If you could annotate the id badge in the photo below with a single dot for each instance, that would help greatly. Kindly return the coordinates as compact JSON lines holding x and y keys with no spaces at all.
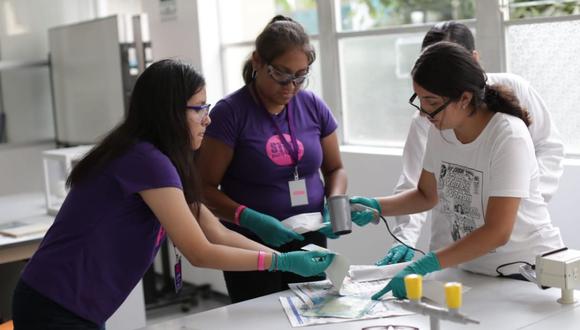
{"x":298,"y":192}
{"x":178,"y":281}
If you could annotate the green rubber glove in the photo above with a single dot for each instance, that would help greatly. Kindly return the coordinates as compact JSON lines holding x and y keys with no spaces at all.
{"x":268,"y":228}
{"x":425,"y":265}
{"x":327,"y":229}
{"x":303,"y":263}
{"x":398,"y":253}
{"x":362,"y":218}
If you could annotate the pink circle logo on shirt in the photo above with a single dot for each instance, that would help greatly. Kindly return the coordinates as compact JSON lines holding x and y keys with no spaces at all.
{"x":278,"y":153}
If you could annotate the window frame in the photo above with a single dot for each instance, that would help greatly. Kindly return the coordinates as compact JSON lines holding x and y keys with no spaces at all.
{"x":490,"y":16}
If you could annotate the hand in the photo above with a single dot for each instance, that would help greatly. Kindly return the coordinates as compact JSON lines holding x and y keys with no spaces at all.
{"x":397,"y":253}
{"x":268,"y":228}
{"x":303,"y":263}
{"x":363,"y":217}
{"x":327,"y":229}
{"x":425,"y":265}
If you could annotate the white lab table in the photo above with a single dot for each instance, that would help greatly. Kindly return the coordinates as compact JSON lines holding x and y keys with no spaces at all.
{"x":496,"y":303}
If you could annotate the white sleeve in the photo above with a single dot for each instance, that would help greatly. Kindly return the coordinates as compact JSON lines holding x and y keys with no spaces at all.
{"x":547,"y":143}
{"x":511,"y":167}
{"x":408,"y":227}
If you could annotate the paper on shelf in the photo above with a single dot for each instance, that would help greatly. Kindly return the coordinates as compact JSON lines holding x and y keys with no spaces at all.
{"x":337,"y":270}
{"x":25,"y":229}
{"x":304,"y":222}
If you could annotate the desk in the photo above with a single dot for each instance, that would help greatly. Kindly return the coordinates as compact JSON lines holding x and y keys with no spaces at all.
{"x":496,"y":303}
{"x":31,"y":208}
{"x":25,"y":208}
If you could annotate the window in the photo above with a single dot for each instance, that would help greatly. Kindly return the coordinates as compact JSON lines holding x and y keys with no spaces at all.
{"x":240,"y":31}
{"x":542,"y":8}
{"x":356,"y":15}
{"x":367,"y":48}
{"x":544,"y":50}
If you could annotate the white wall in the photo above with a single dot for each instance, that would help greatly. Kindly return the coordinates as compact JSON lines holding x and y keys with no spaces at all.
{"x":21,"y":168}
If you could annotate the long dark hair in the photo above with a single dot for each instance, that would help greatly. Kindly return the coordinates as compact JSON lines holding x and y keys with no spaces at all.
{"x":448,"y":69}
{"x":449,"y":31}
{"x":157,"y":114}
{"x":280,"y":35}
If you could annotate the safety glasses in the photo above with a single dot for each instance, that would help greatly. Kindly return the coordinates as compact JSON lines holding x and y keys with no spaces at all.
{"x":201,"y":111}
{"x":417,"y":105}
{"x":284,"y":78}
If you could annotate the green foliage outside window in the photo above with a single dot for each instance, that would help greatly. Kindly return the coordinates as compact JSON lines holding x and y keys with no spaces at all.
{"x":542,"y":8}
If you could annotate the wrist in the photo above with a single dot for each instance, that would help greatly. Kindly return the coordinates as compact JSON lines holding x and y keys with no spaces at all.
{"x":261,"y":260}
{"x":377,"y":205}
{"x":238,"y":214}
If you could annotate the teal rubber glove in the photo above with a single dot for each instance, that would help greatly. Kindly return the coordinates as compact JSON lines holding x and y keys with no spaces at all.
{"x":397,"y":253}
{"x":428,"y":264}
{"x":268,"y":228}
{"x":327,"y":229}
{"x":303,"y":263}
{"x":362,"y":218}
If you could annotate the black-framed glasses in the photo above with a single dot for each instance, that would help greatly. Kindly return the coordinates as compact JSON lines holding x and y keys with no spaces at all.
{"x":431,"y":114}
{"x":202,"y":111}
{"x":390,"y":327}
{"x":284,"y":78}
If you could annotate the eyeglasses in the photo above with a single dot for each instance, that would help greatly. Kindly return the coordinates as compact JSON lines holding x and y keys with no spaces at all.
{"x":202,"y":111}
{"x":390,"y":327}
{"x":284,"y":78}
{"x":431,"y":114}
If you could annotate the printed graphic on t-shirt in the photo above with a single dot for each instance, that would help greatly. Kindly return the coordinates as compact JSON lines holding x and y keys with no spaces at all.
{"x":460,"y":201}
{"x":277,"y":152}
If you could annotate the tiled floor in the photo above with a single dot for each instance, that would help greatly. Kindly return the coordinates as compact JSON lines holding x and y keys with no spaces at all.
{"x":162,"y":314}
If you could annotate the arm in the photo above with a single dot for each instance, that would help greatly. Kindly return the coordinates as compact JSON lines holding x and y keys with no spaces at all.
{"x":213,"y":160}
{"x":547,"y":144}
{"x":408,"y":227}
{"x":499,"y":222}
{"x":170,"y":207}
{"x":219,"y":234}
{"x":419,"y":199}
{"x":334,"y":174}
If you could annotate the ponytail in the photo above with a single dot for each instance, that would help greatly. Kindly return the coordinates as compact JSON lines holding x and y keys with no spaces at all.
{"x":499,"y":98}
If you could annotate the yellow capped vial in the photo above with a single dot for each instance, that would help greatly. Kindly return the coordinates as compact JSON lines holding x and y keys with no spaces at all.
{"x":414,"y":286}
{"x":453,"y":295}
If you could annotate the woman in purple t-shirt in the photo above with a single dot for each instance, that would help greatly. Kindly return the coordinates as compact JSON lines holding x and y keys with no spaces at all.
{"x":133,"y":188}
{"x":268,"y":143}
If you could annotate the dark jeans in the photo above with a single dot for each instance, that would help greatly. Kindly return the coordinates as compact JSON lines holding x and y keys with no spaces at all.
{"x":248,"y":285}
{"x":33,"y":311}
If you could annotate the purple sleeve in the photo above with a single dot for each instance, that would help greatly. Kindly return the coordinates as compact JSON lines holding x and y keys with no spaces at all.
{"x":223,"y":124}
{"x":327,"y":122}
{"x":145,"y":167}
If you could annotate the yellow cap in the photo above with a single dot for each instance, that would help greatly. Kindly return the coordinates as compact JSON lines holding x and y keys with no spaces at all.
{"x":414,"y":286}
{"x":453,"y":295}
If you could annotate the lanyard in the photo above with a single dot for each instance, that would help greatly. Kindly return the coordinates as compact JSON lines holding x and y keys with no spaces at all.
{"x":292,"y":150}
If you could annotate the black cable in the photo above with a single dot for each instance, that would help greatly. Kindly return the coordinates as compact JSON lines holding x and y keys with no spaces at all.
{"x":512,"y":263}
{"x":397,"y":239}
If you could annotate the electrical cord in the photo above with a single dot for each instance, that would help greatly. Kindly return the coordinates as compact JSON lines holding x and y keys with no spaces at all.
{"x":397,"y":239}
{"x":512,"y":263}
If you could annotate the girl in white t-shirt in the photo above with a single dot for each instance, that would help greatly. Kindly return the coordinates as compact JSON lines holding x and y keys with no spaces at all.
{"x":480,"y":173}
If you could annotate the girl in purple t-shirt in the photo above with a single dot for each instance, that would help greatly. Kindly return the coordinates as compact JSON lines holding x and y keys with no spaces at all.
{"x":268,"y":143}
{"x":134,"y":188}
